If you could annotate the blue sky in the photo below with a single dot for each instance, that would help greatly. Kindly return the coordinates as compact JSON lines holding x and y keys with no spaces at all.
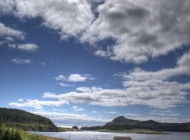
{"x":83,"y":63}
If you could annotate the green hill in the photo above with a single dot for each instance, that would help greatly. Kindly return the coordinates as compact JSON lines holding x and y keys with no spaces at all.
{"x":15,"y":118}
{"x":121,"y":120}
{"x":122,"y":123}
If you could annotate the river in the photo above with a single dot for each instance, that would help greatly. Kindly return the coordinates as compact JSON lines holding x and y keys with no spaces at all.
{"x":91,"y":135}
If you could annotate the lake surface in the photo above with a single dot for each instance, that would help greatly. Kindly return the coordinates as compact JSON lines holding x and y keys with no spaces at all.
{"x":91,"y":135}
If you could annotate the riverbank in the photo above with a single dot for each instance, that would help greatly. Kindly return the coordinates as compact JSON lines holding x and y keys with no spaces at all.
{"x":30,"y":136}
{"x":140,"y":131}
{"x":95,"y":135}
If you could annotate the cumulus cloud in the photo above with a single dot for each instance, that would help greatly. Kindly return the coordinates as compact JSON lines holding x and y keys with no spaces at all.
{"x":139,"y":59}
{"x":73,"y":78}
{"x":20,"y":100}
{"x":141,"y":29}
{"x":76,"y":108}
{"x":64,"y":85}
{"x":12,"y":46}
{"x":21,"y":61}
{"x":58,"y":15}
{"x":165,"y":96}
{"x":28,"y":47}
{"x":140,"y":87}
{"x":60,"y":77}
{"x":94,"y":111}
{"x":182,"y":67}
{"x":66,"y":119}
{"x":8,"y":34}
{"x":111,"y":112}
{"x":79,"y":78}
{"x":43,"y":63}
{"x":37,"y":104}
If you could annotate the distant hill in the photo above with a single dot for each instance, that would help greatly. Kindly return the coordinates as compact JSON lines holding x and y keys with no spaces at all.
{"x":121,"y":120}
{"x":25,"y":120}
{"x":122,"y":123}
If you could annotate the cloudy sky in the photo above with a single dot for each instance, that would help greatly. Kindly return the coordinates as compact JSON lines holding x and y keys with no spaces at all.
{"x":82,"y":62}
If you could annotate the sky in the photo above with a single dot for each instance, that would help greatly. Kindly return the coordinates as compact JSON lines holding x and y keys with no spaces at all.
{"x":84,"y":63}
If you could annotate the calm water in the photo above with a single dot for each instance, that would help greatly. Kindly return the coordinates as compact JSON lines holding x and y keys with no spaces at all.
{"x":90,"y":135}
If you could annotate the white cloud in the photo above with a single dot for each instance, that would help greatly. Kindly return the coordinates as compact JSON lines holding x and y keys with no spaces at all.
{"x":20,"y":100}
{"x":137,"y":95}
{"x":28,"y":47}
{"x":6,"y":6}
{"x":74,"y":78}
{"x":79,"y":78}
{"x":111,"y":112}
{"x":37,"y":104}
{"x":10,"y":33}
{"x":65,"y":85}
{"x":140,"y":59}
{"x":21,"y":61}
{"x":58,"y":15}
{"x":154,"y":89}
{"x":140,"y":95}
{"x":43,"y":63}
{"x":49,"y":95}
{"x":60,"y":78}
{"x":66,"y":119}
{"x":163,"y":114}
{"x":12,"y":46}
{"x":132,"y":115}
{"x":139,"y":75}
{"x":76,"y":108}
{"x":141,"y":29}
{"x":9,"y":39}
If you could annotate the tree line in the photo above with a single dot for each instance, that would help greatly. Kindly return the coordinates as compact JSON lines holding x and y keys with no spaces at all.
{"x":27,"y":121}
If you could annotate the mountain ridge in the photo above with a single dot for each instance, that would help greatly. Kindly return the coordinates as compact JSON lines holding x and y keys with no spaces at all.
{"x":122,"y":123}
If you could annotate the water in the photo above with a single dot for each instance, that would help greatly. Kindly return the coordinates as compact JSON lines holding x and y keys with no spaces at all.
{"x":91,"y":135}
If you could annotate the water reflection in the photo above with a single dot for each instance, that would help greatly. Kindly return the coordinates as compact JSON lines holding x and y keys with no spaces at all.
{"x":91,"y":135}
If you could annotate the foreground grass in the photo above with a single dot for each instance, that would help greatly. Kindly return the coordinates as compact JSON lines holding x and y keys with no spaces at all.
{"x":141,"y":131}
{"x":15,"y":134}
{"x":30,"y":136}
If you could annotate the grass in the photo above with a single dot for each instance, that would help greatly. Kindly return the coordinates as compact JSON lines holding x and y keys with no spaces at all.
{"x":30,"y":136}
{"x":26,"y":135}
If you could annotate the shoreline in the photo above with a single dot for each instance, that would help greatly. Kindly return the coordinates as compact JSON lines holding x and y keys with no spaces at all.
{"x":33,"y":136}
{"x":139,"y":131}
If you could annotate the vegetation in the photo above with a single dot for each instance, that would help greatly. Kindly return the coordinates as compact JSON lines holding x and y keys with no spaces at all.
{"x":123,"y":124}
{"x":29,"y":136}
{"x":7,"y":133}
{"x":141,"y":131}
{"x":15,"y":118}
{"x":64,"y":129}
{"x":13,"y":134}
{"x":75,"y":127}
